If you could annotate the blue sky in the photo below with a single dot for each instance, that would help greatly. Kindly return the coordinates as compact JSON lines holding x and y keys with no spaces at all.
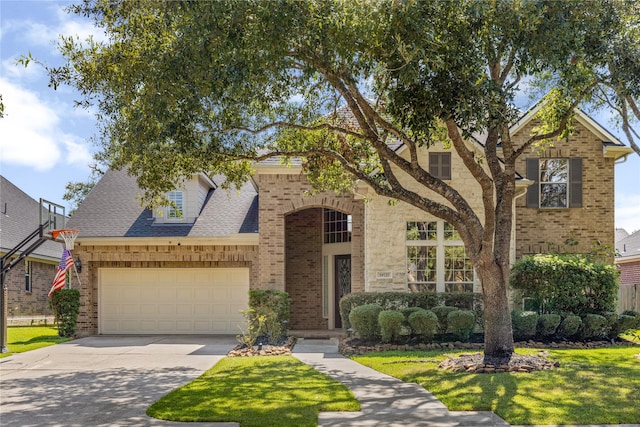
{"x":45,"y":142}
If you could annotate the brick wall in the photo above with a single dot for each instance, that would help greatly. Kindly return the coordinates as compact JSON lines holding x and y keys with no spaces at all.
{"x":150,"y":256}
{"x":304,"y":268}
{"x":546,"y":230}
{"x":36,"y":302}
{"x":629,"y":273}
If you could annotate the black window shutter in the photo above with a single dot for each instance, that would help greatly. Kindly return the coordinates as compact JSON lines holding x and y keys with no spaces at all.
{"x":434,"y":164}
{"x":575,"y":182}
{"x":440,"y":165}
{"x":533,"y":191}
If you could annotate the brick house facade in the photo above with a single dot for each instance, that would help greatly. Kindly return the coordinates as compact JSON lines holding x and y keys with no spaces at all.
{"x":318,"y":245}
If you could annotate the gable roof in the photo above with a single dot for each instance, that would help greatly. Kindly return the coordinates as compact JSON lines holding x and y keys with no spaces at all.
{"x":112,"y":209}
{"x":628,"y":248}
{"x":19,"y":217}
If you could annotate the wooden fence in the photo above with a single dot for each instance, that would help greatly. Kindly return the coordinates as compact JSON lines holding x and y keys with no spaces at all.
{"x":629,"y":298}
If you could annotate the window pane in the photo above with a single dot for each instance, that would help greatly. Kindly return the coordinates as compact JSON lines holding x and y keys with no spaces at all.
{"x":421,"y":264}
{"x":336,"y":227}
{"x":450,"y":232}
{"x":176,"y":198}
{"x":457,"y":266}
{"x":553,"y":195}
{"x":554,"y":170}
{"x":420,"y":230}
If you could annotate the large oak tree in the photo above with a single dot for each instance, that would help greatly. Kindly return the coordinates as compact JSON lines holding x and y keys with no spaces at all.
{"x":189,"y":86}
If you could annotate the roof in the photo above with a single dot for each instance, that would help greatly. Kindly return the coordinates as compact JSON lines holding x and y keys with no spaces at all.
{"x":628,"y":248}
{"x":19,"y":217}
{"x":112,"y":209}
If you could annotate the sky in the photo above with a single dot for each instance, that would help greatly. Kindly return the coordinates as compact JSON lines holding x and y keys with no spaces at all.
{"x":46,"y":142}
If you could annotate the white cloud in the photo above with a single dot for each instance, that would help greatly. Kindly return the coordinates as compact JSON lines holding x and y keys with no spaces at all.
{"x":628,"y":212}
{"x":31,"y":133}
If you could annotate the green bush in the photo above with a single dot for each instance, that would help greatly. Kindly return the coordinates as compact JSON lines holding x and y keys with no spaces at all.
{"x":566,"y":283}
{"x":461,"y":324}
{"x":268,"y":316}
{"x":569,"y":326}
{"x":612,"y":319}
{"x":65,"y":305}
{"x":364,"y":319}
{"x":442,"y":312}
{"x":594,"y":326}
{"x":548,"y":324}
{"x":390,"y":322}
{"x":423,"y":323}
{"x":625,"y":323}
{"x":401,"y":300}
{"x":409,"y":311}
{"x":524,"y":324}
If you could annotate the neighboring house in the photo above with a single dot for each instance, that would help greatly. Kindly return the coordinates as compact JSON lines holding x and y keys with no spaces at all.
{"x":189,"y":272}
{"x":628,"y":258}
{"x":28,"y":283}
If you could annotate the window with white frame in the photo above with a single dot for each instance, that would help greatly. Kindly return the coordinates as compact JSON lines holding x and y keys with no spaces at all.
{"x":177,"y":211}
{"x":28,"y":270}
{"x":337,"y":226}
{"x":554,"y":183}
{"x":436,"y":258}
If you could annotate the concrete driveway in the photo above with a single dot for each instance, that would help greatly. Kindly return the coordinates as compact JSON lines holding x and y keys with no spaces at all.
{"x":100,"y":381}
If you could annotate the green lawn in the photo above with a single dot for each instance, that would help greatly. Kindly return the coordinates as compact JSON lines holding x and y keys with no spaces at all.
{"x":595,"y":386}
{"x":26,"y":338}
{"x":256,"y":391}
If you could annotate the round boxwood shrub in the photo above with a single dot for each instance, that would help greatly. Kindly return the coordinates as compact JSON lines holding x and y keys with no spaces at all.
{"x":390,"y":322}
{"x":423,"y":323}
{"x":364,"y":319}
{"x":625,"y":323}
{"x":548,"y":324}
{"x":524,"y":324}
{"x":461,"y":323}
{"x":569,"y":326}
{"x":442,"y":311}
{"x":594,"y":326}
{"x":408,"y":311}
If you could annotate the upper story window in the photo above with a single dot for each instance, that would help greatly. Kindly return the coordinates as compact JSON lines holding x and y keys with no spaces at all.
{"x":436,"y":258}
{"x":440,"y":165}
{"x":337,"y":227}
{"x":177,"y":212}
{"x":557,"y":183}
{"x":28,"y":270}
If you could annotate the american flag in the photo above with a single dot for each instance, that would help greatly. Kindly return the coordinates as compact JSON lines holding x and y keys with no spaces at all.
{"x":65,"y":264}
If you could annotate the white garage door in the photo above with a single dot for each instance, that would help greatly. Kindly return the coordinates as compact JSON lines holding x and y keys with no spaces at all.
{"x":172,"y":300}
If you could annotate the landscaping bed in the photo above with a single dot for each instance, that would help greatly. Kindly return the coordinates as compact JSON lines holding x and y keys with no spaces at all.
{"x":283,"y":347}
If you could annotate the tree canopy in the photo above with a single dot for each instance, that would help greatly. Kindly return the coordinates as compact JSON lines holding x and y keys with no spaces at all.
{"x":190,"y":86}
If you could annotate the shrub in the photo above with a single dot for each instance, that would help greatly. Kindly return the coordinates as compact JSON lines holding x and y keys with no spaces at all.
{"x":611,"y":318}
{"x":390,"y":322}
{"x":267,"y":316}
{"x":461,"y":323}
{"x":65,"y":304}
{"x":524,"y":324}
{"x":625,"y":323}
{"x":442,"y":312}
{"x":566,"y":283}
{"x":593,"y":326}
{"x":409,"y":311}
{"x":569,"y":326}
{"x":423,"y":323}
{"x":364,"y":319}
{"x":548,"y":324}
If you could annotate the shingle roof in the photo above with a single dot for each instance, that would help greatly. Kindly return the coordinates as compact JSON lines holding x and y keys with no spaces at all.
{"x":19,"y":217}
{"x":112,"y":209}
{"x":629,"y":247}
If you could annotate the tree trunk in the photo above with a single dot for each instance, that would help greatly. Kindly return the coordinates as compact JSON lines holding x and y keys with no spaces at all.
{"x":498,"y":333}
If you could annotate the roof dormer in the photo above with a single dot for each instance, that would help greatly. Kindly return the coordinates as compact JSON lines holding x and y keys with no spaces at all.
{"x":187,"y":201}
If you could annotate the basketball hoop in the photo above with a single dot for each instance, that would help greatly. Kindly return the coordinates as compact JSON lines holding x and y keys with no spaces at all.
{"x":69,"y":237}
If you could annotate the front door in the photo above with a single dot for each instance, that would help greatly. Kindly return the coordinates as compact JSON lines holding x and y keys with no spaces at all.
{"x":342,"y":269}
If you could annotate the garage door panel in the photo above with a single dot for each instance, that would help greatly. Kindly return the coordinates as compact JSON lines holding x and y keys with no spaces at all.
{"x":178,"y":301}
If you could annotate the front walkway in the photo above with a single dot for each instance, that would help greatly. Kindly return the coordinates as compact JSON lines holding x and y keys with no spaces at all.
{"x":385,"y":401}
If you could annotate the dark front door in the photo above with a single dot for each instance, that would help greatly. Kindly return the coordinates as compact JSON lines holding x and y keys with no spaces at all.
{"x":342,"y":269}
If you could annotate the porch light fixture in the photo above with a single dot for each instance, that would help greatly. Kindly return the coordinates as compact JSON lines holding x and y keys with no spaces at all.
{"x":78,"y":264}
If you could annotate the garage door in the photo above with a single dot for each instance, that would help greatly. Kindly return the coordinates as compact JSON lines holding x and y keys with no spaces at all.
{"x":172,"y":300}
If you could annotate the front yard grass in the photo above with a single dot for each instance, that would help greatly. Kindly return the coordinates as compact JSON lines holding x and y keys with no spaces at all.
{"x":26,"y":338}
{"x":593,"y":386}
{"x":256,"y":391}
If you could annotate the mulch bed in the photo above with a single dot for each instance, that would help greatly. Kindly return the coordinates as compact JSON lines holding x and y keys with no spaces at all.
{"x":474,"y":363}
{"x":282,"y":348}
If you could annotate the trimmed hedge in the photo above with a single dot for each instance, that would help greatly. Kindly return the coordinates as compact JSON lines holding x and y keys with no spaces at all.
{"x":390,"y":322}
{"x":400,"y":300}
{"x":569,"y":326}
{"x":364,"y":319}
{"x":65,"y":304}
{"x":423,"y":323}
{"x":548,"y":324}
{"x":524,"y":324}
{"x":461,"y":324}
{"x":442,"y":312}
{"x":594,"y":326}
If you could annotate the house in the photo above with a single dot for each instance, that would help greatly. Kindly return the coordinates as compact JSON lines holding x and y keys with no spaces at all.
{"x":28,"y":282}
{"x":187,"y":268}
{"x":628,"y":257}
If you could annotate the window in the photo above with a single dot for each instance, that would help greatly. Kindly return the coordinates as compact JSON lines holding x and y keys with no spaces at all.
{"x":440,"y":165}
{"x":27,"y":275}
{"x":557,"y":183}
{"x":436,"y":258}
{"x":175,"y":212}
{"x":337,"y":227}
